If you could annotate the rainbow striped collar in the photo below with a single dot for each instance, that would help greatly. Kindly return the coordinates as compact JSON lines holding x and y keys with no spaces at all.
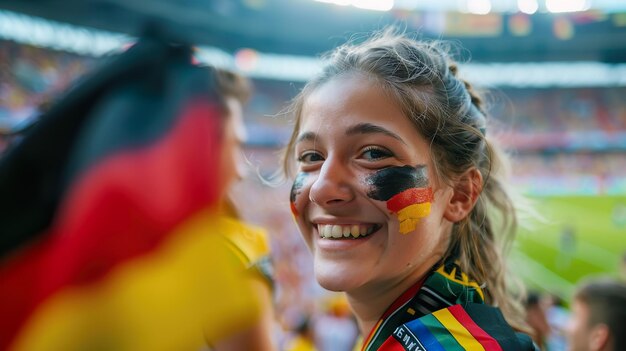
{"x":445,"y":311}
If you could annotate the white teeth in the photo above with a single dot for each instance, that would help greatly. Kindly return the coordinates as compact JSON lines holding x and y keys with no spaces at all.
{"x":354,"y":230}
{"x":344,"y":231}
{"x":325,"y":231}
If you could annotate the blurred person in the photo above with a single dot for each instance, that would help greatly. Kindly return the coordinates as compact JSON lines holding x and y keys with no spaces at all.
{"x":567,"y":247}
{"x":335,"y":327}
{"x":399,"y":195}
{"x":116,"y":228}
{"x":250,"y":243}
{"x":618,"y":215}
{"x":303,"y":338}
{"x":557,"y":315}
{"x":598,"y":320}
{"x":537,"y":320}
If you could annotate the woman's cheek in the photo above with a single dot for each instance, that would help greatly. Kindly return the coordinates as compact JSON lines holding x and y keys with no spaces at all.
{"x":296,"y":198}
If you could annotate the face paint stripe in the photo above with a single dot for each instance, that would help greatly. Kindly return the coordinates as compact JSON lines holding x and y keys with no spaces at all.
{"x":297,"y":185}
{"x":415,"y":211}
{"x":410,"y":197}
{"x":393,"y":180}
{"x":295,"y":191}
{"x":294,"y":211}
{"x":410,"y":216}
{"x":408,"y":226}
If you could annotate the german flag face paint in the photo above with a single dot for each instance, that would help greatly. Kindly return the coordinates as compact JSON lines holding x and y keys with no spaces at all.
{"x":295,"y":191}
{"x":407,"y":192}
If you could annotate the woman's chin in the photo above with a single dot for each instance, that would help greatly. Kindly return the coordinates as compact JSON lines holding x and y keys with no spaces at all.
{"x":331,"y":284}
{"x":335,"y":278}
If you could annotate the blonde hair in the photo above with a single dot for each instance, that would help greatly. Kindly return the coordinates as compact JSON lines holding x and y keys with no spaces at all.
{"x":422,"y":77}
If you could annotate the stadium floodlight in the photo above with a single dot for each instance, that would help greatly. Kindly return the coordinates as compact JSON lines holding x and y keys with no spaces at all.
{"x":336,"y":2}
{"x":377,"y":5}
{"x":557,"y":6}
{"x":486,"y":6}
{"x":479,"y":7}
{"x":528,"y":6}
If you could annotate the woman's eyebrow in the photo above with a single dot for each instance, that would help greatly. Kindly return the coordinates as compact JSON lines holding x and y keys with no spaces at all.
{"x":308,"y":136}
{"x":368,"y":128}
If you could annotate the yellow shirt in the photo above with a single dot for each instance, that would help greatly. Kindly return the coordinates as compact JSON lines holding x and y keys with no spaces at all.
{"x":300,"y":343}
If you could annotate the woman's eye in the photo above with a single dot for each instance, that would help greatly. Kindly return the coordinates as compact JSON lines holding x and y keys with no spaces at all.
{"x":374,"y":153}
{"x":310,"y":157}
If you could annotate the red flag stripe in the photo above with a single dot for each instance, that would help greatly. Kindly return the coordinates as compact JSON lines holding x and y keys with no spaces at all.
{"x":410,"y":197}
{"x":391,"y":344}
{"x":489,"y":343}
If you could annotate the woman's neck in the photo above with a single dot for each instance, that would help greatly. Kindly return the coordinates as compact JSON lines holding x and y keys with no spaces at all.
{"x":369,"y":303}
{"x":368,"y":310}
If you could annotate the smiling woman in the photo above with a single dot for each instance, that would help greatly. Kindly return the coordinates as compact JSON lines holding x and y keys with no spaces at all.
{"x":394,"y":178}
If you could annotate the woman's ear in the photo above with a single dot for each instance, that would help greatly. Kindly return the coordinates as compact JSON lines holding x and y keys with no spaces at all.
{"x":466,"y":190}
{"x":598,"y":337}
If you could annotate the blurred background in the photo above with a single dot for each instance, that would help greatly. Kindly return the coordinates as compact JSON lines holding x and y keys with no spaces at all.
{"x":554,"y":73}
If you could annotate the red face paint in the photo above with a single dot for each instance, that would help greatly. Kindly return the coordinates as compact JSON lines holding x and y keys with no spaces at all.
{"x":409,"y":197}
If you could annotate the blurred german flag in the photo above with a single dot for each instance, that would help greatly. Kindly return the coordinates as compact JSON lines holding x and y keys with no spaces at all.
{"x":110,"y":237}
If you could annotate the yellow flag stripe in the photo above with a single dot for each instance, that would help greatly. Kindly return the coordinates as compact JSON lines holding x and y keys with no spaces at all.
{"x":409,"y":216}
{"x":189,"y":291}
{"x":458,"y":331}
{"x":414,"y":211}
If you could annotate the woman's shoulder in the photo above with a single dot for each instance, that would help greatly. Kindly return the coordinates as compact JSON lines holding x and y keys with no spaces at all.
{"x":462,"y":327}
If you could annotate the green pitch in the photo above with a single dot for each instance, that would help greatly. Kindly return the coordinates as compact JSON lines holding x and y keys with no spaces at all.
{"x":582,"y":235}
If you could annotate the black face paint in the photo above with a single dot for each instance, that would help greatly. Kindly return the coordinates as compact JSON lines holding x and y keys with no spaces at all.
{"x":297,"y":185}
{"x":295,"y":190}
{"x":390,"y":181}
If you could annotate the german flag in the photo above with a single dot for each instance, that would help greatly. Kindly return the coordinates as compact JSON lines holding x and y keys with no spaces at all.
{"x":110,"y":235}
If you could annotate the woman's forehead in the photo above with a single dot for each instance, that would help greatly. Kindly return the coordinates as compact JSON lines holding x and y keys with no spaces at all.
{"x":345,"y":100}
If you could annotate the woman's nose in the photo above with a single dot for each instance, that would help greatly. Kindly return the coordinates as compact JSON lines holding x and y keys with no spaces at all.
{"x":333,"y":184}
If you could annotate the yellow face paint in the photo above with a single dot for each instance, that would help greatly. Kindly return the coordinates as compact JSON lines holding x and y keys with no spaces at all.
{"x":410,"y":216}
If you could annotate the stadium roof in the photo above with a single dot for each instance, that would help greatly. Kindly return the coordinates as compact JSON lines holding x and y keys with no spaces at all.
{"x":308,"y":28}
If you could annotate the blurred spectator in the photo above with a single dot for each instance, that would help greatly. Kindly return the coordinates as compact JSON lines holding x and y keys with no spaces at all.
{"x":557,"y":316}
{"x":567,"y":245}
{"x":303,"y":338}
{"x":598,"y":320}
{"x":336,"y":328}
{"x":31,"y":76}
{"x":619,"y":215}
{"x":536,"y":319}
